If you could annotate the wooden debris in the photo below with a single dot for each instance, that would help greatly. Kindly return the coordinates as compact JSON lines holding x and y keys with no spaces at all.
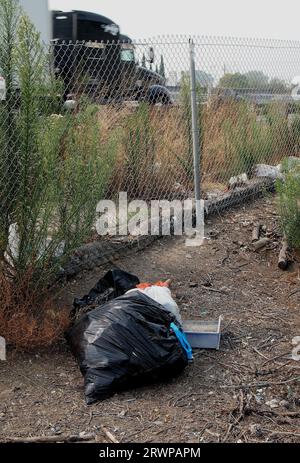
{"x":51,"y":439}
{"x":256,"y":233}
{"x":214,"y":290}
{"x":109,"y":435}
{"x":283,"y":259}
{"x":260,"y":243}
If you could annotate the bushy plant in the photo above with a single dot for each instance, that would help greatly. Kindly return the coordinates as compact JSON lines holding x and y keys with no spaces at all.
{"x":289,"y":203}
{"x":63,"y":167}
{"x":9,"y":18}
{"x":58,"y":170}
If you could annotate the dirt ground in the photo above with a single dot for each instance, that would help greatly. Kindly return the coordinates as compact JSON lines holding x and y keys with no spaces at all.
{"x":248,"y":391}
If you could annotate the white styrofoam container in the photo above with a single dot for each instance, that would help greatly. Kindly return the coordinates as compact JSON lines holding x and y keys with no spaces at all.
{"x":203,"y":334}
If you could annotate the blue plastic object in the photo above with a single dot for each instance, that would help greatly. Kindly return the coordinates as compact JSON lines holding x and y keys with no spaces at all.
{"x":183,"y":341}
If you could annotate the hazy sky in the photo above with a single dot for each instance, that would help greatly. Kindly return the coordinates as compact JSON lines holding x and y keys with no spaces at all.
{"x":243,"y":18}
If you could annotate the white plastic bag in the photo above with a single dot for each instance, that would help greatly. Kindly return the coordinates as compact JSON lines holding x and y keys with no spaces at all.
{"x":163,"y":296}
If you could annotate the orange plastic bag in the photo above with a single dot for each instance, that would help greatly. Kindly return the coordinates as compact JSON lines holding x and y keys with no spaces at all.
{"x":158,"y":283}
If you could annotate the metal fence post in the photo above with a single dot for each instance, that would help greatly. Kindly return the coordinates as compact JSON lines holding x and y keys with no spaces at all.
{"x":195,"y":130}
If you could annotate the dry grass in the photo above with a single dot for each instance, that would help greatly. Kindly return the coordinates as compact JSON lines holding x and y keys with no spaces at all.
{"x":29,"y":319}
{"x":233,"y":142}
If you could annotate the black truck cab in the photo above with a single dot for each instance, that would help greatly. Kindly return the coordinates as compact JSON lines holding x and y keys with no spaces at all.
{"x":93,"y":58}
{"x":83,"y":26}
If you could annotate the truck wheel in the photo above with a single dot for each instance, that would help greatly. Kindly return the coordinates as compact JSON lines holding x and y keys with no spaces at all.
{"x":158,"y":94}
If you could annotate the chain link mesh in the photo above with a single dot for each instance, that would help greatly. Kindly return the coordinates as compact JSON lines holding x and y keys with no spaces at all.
{"x":129,"y":103}
{"x":81,"y":122}
{"x":251,"y":109}
{"x":248,"y":111}
{"x":154,"y":152}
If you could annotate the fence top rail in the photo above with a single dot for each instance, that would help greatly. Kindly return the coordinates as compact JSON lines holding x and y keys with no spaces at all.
{"x":207,"y":41}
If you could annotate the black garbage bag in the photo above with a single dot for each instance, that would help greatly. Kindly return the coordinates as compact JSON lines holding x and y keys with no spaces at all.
{"x":115,"y":283}
{"x":125,"y":343}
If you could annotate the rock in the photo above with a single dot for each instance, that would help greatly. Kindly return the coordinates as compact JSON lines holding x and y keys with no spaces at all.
{"x":284,"y":403}
{"x":56,"y":430}
{"x":238,"y":181}
{"x":264,"y":170}
{"x":70,"y":105}
{"x":259,"y":396}
{"x":274,"y":403}
{"x":260,"y":243}
{"x":255,"y":430}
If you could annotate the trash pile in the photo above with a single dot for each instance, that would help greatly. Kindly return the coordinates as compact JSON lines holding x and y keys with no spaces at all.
{"x":126,"y":334}
{"x":265,"y":171}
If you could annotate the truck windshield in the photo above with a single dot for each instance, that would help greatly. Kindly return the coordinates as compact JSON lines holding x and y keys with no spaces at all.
{"x":127,"y":55}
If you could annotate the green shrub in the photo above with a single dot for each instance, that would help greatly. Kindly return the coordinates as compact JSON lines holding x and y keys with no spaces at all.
{"x":9,"y":17}
{"x":289,"y":205}
{"x":60,"y":167}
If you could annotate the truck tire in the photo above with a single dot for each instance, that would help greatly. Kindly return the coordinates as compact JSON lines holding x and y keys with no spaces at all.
{"x":158,"y":94}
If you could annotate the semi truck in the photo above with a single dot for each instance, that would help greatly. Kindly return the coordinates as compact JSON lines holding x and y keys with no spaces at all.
{"x":94,"y":44}
{"x":92,"y":56}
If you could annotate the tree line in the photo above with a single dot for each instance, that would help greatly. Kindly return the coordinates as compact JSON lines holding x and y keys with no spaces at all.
{"x":254,"y":81}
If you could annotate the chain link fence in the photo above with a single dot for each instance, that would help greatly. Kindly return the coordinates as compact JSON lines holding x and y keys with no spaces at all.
{"x":247,"y":109}
{"x":154,"y":158}
{"x":82,"y":122}
{"x":164,"y":119}
{"x":251,"y":113}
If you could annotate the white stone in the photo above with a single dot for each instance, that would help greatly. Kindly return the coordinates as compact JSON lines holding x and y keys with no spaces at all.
{"x":2,"y":349}
{"x":264,"y":170}
{"x":273,"y":403}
